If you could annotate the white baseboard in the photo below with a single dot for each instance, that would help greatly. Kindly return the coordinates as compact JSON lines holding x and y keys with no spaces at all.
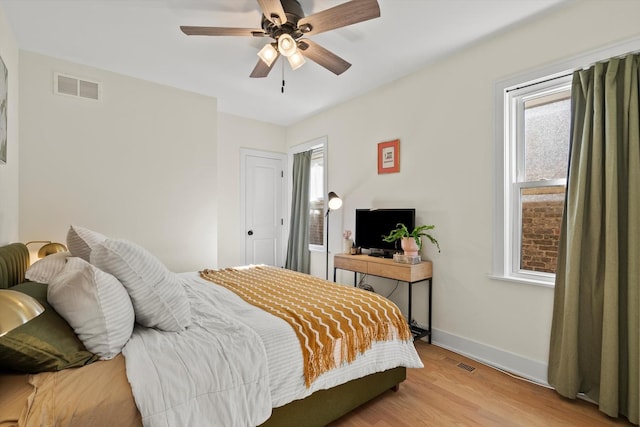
{"x":532,"y":370}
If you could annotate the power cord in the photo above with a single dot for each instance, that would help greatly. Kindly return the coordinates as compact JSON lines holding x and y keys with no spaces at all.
{"x":393,"y":290}
{"x":365,"y":286}
{"x":362,"y":277}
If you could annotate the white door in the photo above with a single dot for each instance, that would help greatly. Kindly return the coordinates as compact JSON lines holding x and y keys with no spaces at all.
{"x":263,"y":207}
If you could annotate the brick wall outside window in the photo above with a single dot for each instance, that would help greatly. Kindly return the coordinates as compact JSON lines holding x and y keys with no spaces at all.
{"x":316,"y":222}
{"x":541,"y":222}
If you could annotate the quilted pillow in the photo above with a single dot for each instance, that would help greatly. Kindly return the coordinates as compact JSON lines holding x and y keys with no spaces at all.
{"x":47,"y":268}
{"x":81,"y":240}
{"x":45,"y":343}
{"x":158,"y":295}
{"x":95,"y":304}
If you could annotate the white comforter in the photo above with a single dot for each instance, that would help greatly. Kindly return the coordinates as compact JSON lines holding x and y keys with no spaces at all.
{"x":232,"y":365}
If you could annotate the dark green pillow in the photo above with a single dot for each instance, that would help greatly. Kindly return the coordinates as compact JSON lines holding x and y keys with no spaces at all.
{"x":46,"y":343}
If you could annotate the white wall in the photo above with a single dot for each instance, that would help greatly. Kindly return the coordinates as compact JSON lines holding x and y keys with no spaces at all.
{"x":9,"y":171}
{"x":443,"y":116}
{"x":235,"y":133}
{"x":140,"y":164}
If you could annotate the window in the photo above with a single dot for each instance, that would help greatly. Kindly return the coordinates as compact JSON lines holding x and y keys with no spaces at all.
{"x":316,"y":198}
{"x":317,"y":189}
{"x":531,"y":155}
{"x":536,"y":147}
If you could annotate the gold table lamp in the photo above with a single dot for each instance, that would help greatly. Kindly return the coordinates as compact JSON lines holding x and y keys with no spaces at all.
{"x":49,"y":247}
{"x":16,"y":309}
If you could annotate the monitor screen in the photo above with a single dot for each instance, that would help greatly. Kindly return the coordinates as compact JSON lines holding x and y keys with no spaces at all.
{"x":373,"y":224}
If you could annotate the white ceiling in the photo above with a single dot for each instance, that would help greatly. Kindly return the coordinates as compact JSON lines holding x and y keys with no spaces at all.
{"x":141,"y":38}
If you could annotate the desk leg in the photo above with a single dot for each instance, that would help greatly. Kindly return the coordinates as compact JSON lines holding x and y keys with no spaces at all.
{"x":417,"y":331}
{"x":430,"y":330}
{"x":355,"y":279}
{"x":410,"y":298}
{"x":334,"y":275}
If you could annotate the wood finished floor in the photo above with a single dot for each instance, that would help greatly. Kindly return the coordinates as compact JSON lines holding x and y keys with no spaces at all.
{"x":443,"y":394}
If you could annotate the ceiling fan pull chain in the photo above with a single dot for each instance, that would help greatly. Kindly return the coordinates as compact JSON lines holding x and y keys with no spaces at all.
{"x":282,"y":88}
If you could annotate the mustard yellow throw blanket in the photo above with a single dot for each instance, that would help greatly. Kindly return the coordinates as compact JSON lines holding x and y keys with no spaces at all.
{"x":331,"y":321}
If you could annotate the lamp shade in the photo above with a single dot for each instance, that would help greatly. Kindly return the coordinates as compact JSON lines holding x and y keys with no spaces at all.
{"x":268,"y":54}
{"x":296,"y":60}
{"x":16,"y":309}
{"x":335,"y":202}
{"x":287,"y":45}
{"x":49,"y":247}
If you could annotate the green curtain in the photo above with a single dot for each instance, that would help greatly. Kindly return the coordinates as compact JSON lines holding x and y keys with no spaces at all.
{"x":298,"y":256}
{"x":594,"y":335}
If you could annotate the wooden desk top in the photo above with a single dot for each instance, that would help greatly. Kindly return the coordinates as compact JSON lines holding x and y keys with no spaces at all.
{"x":384,"y":267}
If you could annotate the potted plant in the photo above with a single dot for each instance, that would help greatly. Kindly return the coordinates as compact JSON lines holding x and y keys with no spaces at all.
{"x":411,"y":242}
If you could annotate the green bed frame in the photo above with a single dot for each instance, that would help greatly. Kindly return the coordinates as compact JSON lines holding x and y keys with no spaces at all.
{"x":325,"y":406}
{"x":318,"y":409}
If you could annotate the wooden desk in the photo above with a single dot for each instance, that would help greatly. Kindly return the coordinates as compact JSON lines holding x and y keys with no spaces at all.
{"x":387,"y":268}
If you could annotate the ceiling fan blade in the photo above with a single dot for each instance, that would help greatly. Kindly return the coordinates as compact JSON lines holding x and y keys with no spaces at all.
{"x":261,"y":69}
{"x":222,"y":31}
{"x":273,"y":11}
{"x":340,"y":16}
{"x":322,"y":56}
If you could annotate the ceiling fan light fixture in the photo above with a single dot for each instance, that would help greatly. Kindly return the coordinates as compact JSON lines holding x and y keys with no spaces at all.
{"x":268,"y":54}
{"x":296,"y":60}
{"x":287,"y":45}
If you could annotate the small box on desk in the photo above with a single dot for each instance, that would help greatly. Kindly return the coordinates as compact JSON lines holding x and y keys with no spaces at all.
{"x":407,"y":259}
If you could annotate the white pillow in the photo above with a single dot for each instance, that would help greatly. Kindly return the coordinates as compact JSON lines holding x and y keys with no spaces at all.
{"x":47,"y":268}
{"x":95,"y":305}
{"x":81,"y":240}
{"x":158,"y":295}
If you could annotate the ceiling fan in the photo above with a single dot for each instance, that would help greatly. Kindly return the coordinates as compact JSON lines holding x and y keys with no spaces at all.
{"x":285,"y":22}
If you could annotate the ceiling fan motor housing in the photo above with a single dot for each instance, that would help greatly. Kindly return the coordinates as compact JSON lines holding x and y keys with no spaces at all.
{"x":294,"y":13}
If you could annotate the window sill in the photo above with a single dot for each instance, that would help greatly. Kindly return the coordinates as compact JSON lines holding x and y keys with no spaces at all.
{"x":523,"y":281}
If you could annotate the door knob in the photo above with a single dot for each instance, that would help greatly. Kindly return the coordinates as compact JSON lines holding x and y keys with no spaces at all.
{"x":250,"y":232}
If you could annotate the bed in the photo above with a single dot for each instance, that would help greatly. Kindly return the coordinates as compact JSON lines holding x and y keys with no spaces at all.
{"x":80,"y":389}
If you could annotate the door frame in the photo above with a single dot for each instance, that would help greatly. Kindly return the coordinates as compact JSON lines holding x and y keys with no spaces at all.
{"x":244,"y":153}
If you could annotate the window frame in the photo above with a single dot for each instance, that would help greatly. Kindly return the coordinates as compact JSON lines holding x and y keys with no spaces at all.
{"x":510,"y":100}
{"x":502,"y":248}
{"x":515,"y":99}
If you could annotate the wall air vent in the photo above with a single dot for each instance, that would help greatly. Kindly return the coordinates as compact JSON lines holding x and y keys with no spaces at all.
{"x":74,"y":86}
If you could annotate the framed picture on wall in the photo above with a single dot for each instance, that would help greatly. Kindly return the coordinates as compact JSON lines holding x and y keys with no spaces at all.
{"x":4,"y":89}
{"x":389,"y":156}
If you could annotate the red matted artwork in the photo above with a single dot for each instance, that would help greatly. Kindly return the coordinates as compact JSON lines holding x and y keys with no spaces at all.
{"x":389,"y":156}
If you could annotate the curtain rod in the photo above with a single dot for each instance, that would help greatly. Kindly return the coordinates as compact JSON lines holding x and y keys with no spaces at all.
{"x":563,"y":75}
{"x":570,"y":73}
